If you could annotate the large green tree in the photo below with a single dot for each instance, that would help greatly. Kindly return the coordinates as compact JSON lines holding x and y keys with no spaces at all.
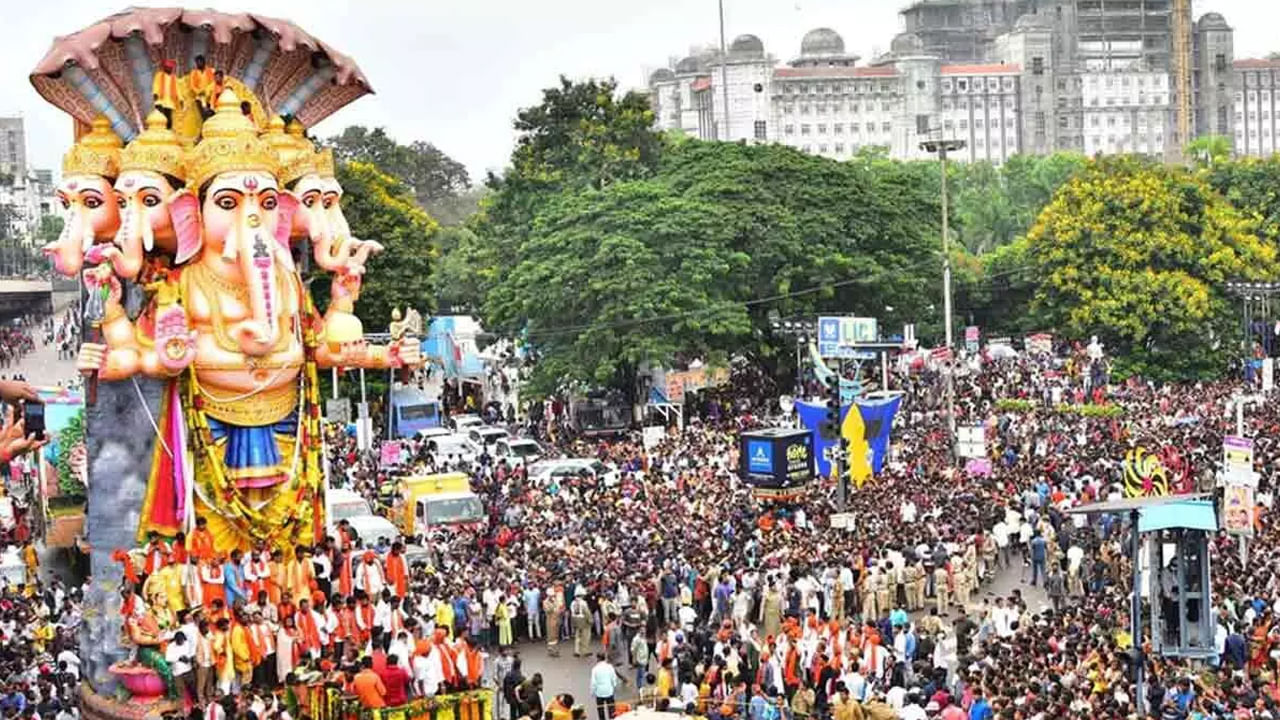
{"x":1138,"y":254}
{"x":382,"y":208}
{"x":437,"y":181}
{"x":1252,"y":186}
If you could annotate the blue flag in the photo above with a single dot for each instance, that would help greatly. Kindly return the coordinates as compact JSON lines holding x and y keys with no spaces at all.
{"x":867,"y":440}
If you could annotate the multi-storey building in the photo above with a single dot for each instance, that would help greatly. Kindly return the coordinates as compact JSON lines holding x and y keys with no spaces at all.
{"x":1257,"y":104}
{"x":1007,"y":76}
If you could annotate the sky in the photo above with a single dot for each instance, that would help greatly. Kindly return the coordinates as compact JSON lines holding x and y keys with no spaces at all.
{"x":454,"y":72}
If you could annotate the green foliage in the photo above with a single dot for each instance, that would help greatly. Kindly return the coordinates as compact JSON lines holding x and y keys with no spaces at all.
{"x":995,"y":205}
{"x":1252,"y":185}
{"x":381,"y":207}
{"x":1138,"y":253}
{"x":49,"y":230}
{"x":1088,"y":410}
{"x":70,"y":438}
{"x":433,"y":177}
{"x":1209,"y":150}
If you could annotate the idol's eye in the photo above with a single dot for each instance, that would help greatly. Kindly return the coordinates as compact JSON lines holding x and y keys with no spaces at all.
{"x":309,"y":201}
{"x":227,"y":202}
{"x":121,"y":201}
{"x":65,"y":203}
{"x":150,"y":200}
{"x":92,"y":202}
{"x":269,"y":202}
{"x":328,"y":203}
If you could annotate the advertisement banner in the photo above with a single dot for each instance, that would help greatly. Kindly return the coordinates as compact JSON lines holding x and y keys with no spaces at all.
{"x":1237,"y":509}
{"x":971,"y":338}
{"x":838,"y":334}
{"x":864,"y":434}
{"x":980,"y":467}
{"x":973,"y":441}
{"x":390,"y":453}
{"x":1040,"y":344}
{"x":760,"y":457}
{"x":1237,"y":456}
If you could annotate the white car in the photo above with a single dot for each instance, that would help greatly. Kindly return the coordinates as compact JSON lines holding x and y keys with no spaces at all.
{"x":461,"y":423}
{"x":352,"y":507}
{"x":453,"y":448}
{"x":546,"y":470}
{"x":517,"y":451}
{"x":427,"y":433}
{"x":486,"y":437}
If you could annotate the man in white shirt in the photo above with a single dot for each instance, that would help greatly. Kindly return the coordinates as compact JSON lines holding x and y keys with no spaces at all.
{"x":604,"y":686}
{"x":180,"y":654}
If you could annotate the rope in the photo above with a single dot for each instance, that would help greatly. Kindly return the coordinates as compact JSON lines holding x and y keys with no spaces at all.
{"x":151,"y":418}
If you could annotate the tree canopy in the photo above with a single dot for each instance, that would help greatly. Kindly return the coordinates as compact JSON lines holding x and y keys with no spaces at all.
{"x":437,"y":181}
{"x":382,"y":208}
{"x":1138,"y":254}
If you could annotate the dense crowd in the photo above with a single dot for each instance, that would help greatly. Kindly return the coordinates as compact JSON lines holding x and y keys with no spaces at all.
{"x":704,"y":599}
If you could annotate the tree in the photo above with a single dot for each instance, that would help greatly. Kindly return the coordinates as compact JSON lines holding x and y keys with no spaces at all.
{"x":1209,"y":150}
{"x":1252,"y":186}
{"x":1138,"y":254}
{"x":381,"y":207}
{"x":431,"y":175}
{"x":993,"y":206}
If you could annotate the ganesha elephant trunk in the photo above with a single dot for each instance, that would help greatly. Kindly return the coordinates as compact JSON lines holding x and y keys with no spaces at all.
{"x":126,"y":261}
{"x":255,"y":248}
{"x":67,"y":252}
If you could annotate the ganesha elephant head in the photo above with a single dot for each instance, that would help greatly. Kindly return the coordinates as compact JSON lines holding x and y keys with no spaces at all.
{"x":90,"y":215}
{"x":143,"y":198}
{"x":88,"y":201}
{"x":240,"y":225}
{"x":320,"y":218}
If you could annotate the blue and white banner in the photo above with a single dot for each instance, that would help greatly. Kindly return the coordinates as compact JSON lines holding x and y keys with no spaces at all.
{"x":864,"y":434}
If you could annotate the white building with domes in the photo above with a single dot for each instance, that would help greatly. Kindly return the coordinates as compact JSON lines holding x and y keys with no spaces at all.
{"x":823,"y":102}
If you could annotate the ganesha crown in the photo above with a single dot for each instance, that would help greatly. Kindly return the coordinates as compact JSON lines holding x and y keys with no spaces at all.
{"x":230,"y":143}
{"x":97,"y":153}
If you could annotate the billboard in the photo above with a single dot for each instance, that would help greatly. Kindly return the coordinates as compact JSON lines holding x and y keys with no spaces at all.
{"x":776,"y":458}
{"x":838,"y":334}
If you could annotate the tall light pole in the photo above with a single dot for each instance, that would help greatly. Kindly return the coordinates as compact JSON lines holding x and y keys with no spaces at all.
{"x":941,"y":148}
{"x":724,"y":77}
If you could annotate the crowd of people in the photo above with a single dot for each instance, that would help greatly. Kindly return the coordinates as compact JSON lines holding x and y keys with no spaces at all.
{"x":700,"y":598}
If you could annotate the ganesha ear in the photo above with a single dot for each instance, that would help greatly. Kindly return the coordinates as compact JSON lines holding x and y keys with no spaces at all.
{"x":285,"y":208}
{"x":184,"y":211}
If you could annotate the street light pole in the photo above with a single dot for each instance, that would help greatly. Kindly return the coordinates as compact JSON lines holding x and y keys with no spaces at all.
{"x":941,"y":148}
{"x":724,"y":78}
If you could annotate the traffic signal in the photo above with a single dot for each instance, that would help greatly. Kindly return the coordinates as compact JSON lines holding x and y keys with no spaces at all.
{"x":830,"y":425}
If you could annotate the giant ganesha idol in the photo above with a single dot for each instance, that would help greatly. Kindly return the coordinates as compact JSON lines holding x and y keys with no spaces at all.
{"x":234,"y":327}
{"x":90,"y":215}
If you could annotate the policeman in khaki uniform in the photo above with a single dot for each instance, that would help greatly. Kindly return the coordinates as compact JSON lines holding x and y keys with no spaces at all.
{"x":869,"y":594}
{"x":580,"y":614}
{"x":941,"y":594}
{"x":915,"y":586}
{"x":960,"y":573}
{"x":885,"y":582}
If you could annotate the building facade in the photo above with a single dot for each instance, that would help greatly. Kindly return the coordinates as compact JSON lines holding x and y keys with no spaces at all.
{"x":1005,"y":76}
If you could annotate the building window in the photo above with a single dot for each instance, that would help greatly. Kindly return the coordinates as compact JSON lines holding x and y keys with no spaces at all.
{"x":822,"y":148}
{"x":963,"y":85}
{"x":1037,"y":65}
{"x":837,"y":129}
{"x":804,"y":109}
{"x":1040,"y":122}
{"x":760,"y":130}
{"x":839,"y":148}
{"x":964,"y":124}
{"x":1111,"y":121}
{"x":804,"y":129}
{"x":886,"y":128}
{"x":822,"y":128}
{"x":854,"y":128}
{"x":820,"y":88}
{"x":788,"y":109}
{"x":884,"y":107}
{"x":978,"y":124}
{"x":853,"y":107}
{"x":1220,"y":62}
{"x":790,"y":130}
{"x":946,"y":86}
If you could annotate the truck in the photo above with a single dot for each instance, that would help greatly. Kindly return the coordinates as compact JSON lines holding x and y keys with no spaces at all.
{"x":438,"y":500}
{"x":600,"y":414}
{"x":412,"y":411}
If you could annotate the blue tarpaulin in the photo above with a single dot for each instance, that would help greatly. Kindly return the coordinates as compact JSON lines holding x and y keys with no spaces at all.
{"x":877,"y":419}
{"x":1190,"y":514}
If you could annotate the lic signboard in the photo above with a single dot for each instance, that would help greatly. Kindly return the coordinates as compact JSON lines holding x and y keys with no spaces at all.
{"x":837,"y":334}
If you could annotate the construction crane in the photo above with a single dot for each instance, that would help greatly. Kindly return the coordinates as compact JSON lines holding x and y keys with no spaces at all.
{"x":1182,"y":72}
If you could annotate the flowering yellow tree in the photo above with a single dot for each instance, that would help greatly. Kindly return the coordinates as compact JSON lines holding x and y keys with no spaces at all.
{"x":1138,"y":254}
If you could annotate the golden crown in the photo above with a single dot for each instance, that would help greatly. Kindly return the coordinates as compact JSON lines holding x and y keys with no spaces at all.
{"x":229,"y":143}
{"x":97,"y":153}
{"x":324,"y":163}
{"x":157,"y":149}
{"x":296,"y":153}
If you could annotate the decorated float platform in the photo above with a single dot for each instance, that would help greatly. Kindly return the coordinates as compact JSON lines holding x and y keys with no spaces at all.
{"x":194,"y":203}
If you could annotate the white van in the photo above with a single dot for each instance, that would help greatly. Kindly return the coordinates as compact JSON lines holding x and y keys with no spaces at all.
{"x":350,"y":506}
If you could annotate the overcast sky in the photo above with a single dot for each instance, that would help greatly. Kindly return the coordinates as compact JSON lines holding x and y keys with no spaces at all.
{"x":453,"y":72}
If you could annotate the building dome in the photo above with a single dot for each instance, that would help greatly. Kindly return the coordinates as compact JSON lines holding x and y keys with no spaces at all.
{"x":661,"y":75}
{"x":906,"y":44}
{"x":822,"y":41}
{"x":1213,"y":21}
{"x":690,"y":64}
{"x":746,"y":46}
{"x":1033,"y":21}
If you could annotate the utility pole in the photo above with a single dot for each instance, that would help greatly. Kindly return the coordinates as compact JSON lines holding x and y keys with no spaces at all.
{"x":941,"y":148}
{"x":724,"y":78}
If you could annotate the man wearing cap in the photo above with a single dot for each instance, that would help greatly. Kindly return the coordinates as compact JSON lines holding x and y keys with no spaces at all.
{"x":369,"y":576}
{"x":164,"y":92}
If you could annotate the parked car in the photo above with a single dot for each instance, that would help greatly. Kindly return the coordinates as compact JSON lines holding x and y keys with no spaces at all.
{"x":461,"y":423}
{"x":486,"y":436}
{"x":352,"y":507}
{"x":517,"y":451}
{"x":545,"y":471}
{"x":453,"y":448}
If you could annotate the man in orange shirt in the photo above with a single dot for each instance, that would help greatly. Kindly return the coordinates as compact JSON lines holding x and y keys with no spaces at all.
{"x":200,"y":80}
{"x":397,"y":573}
{"x":368,"y":686}
{"x":202,"y":540}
